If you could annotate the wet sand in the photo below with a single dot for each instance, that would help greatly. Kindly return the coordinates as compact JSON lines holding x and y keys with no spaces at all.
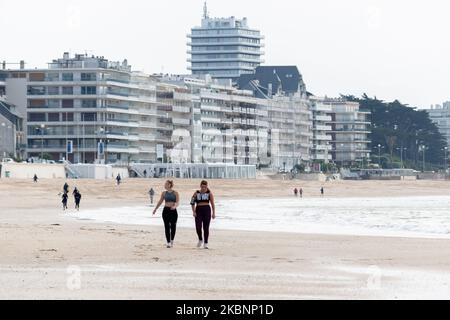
{"x":45,"y":254}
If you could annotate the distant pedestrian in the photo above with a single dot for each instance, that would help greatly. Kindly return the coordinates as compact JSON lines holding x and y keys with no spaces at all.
{"x":118,"y":179}
{"x":66,"y":188}
{"x":321,"y":192}
{"x":301,"y":193}
{"x":35,"y":178}
{"x":145,"y":173}
{"x":152,"y":194}
{"x":64,"y":200}
{"x":77,"y":197}
{"x":296,"y":192}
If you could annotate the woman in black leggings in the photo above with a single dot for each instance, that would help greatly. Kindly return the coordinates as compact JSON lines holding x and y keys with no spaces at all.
{"x":170,"y":214}
{"x":202,"y":202}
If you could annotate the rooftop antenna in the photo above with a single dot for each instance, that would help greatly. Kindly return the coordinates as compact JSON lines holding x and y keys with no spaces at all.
{"x":205,"y":11}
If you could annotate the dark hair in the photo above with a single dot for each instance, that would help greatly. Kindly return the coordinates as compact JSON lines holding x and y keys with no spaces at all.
{"x":205,"y":183}
{"x":170,"y":182}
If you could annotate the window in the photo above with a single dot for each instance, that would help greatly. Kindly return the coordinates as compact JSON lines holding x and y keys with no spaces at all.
{"x":36,"y":90}
{"x":89,"y":103}
{"x":67,"y":103}
{"x":67,"y":90}
{"x":53,"y":90}
{"x":36,"y":117}
{"x":67,"y":76}
{"x":53,"y":103}
{"x":36,"y":103}
{"x":88,"y":116}
{"x":88,"y":77}
{"x":37,"y":76}
{"x":88,"y":90}
{"x":53,"y":77}
{"x":68,"y":116}
{"x":53,"y":117}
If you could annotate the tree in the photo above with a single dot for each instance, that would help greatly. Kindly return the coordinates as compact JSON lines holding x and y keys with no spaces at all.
{"x":399,"y":128}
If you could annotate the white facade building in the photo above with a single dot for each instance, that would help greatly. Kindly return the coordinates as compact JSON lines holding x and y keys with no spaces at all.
{"x":440,"y":115}
{"x":321,"y":142}
{"x":350,"y":130}
{"x":225,"y":48}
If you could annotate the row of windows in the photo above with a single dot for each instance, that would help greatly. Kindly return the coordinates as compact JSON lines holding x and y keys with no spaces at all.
{"x":225,"y":31}
{"x":218,"y":72}
{"x":56,"y":117}
{"x":65,"y":103}
{"x":53,"y":90}
{"x":224,"y":64}
{"x":225,"y":56}
{"x":225,"y":40}
{"x":227,"y":48}
{"x":53,"y":76}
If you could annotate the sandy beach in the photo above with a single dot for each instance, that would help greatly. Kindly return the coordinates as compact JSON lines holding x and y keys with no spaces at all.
{"x":46,"y":254}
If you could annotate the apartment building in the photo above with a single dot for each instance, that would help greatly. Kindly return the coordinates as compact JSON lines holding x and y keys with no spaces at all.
{"x":321,"y":141}
{"x":228,"y":125}
{"x":225,"y":48}
{"x":350,"y":132}
{"x":289,"y":117}
{"x":440,"y":115}
{"x":88,"y":109}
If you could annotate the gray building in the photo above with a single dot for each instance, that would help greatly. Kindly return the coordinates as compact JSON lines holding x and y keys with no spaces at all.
{"x":289,"y":116}
{"x":440,"y":115}
{"x":10,"y":131}
{"x":225,"y":48}
{"x":350,"y":132}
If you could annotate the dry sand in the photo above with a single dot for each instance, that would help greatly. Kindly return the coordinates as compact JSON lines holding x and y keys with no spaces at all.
{"x":46,"y":255}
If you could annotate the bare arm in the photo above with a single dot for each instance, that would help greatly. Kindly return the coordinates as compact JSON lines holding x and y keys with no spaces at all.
{"x":177,"y":201}
{"x":161,"y":200}
{"x":193,"y":205}
{"x":213,"y":206}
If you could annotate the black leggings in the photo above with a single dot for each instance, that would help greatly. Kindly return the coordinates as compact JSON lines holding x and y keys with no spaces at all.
{"x":170,"y":218}
{"x":203,"y":218}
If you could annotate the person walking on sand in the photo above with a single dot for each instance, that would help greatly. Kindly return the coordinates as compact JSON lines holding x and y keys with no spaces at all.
{"x":64,"y":200}
{"x":170,"y":214}
{"x":151,"y":193}
{"x":35,"y":178}
{"x":301,"y":192}
{"x":296,"y":192}
{"x":118,"y":179}
{"x":66,"y":188}
{"x":321,"y":191}
{"x":202,"y":201}
{"x":77,"y":197}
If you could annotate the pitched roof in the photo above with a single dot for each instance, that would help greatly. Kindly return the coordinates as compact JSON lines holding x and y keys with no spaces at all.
{"x":282,"y":78}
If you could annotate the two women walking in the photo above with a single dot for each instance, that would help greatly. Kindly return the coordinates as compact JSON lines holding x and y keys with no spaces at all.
{"x":203,"y":209}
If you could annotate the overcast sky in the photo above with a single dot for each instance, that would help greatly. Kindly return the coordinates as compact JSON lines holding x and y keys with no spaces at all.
{"x":392,"y":49}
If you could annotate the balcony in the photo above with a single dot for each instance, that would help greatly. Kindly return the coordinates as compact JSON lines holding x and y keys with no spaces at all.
{"x":177,"y":121}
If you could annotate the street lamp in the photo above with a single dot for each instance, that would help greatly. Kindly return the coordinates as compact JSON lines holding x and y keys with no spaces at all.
{"x":401,"y":155}
{"x":379,"y":146}
{"x":423,"y":148}
{"x":445,"y":158}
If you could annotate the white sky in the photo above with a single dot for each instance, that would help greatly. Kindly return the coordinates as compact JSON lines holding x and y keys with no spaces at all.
{"x":391,"y":49}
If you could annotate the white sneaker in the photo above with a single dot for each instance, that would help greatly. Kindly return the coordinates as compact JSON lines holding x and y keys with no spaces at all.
{"x":199,"y":244}
{"x":168,"y":245}
{"x":171,"y":244}
{"x":205,"y":246}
